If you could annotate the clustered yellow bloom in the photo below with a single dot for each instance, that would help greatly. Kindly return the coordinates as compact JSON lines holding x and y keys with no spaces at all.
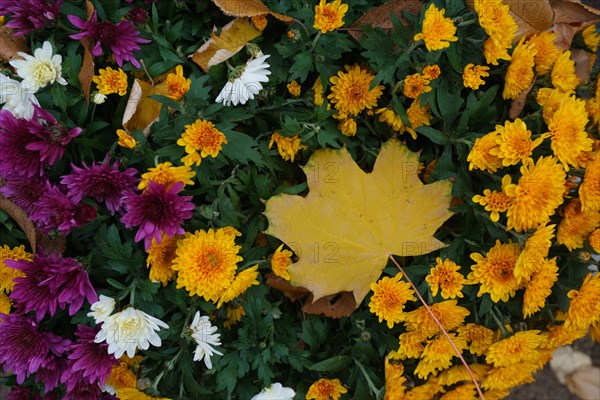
{"x":294,"y":88}
{"x":437,"y":31}
{"x":8,"y":274}
{"x":329,"y":16}
{"x":125,"y":139}
{"x":539,"y":286}
{"x":494,"y":201}
{"x":445,"y":276}
{"x":259,"y":22}
{"x":415,"y":85}
{"x":577,"y":224}
{"x":177,"y":85}
{"x":514,"y":143}
{"x":392,"y":119}
{"x":326,"y":389}
{"x":167,"y":174}
{"x":496,"y":21}
{"x":472,"y":75}
{"x":317,"y":88}
{"x":201,"y":139}
{"x":111,"y":81}
{"x":431,"y":72}
{"x":563,"y":73}
{"x":160,"y":259}
{"x":389,"y":298}
{"x":589,"y":191}
{"x":519,"y":75}
{"x":350,"y":92}
{"x":288,"y":146}
{"x":280,"y":260}
{"x":546,"y":51}
{"x":495,"y":272}
{"x":417,"y":116}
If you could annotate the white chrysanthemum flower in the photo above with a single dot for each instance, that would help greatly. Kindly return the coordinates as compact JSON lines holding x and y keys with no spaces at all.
{"x":17,"y":97}
{"x":40,"y":69}
{"x":276,"y":392}
{"x":98,"y":98}
{"x":128,"y":330}
{"x":246,"y":82}
{"x":102,"y":309}
{"x":205,"y":336}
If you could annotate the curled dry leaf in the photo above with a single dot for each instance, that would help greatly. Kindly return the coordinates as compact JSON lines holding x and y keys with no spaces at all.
{"x":87,"y":67}
{"x":565,"y":361}
{"x":585,"y":383}
{"x":10,"y":44}
{"x":380,"y":17}
{"x":226,"y":44}
{"x":248,"y":8}
{"x":518,"y":104}
{"x":21,"y":218}
{"x":570,"y":18}
{"x":350,"y":222}
{"x":142,"y":111}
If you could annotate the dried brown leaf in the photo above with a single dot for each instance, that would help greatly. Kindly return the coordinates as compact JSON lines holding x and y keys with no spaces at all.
{"x":87,"y":67}
{"x":142,"y":111}
{"x":518,"y":104}
{"x":337,"y":306}
{"x":583,"y":64}
{"x":10,"y":44}
{"x":248,"y":8}
{"x":585,"y":383}
{"x":21,"y":218}
{"x":380,"y":17}
{"x":532,"y":16}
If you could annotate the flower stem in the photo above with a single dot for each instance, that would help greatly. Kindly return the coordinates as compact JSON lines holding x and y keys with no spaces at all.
{"x":470,"y":372}
{"x":132,"y":295}
{"x":315,"y":41}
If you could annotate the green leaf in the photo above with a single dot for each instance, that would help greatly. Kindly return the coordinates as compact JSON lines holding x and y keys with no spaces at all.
{"x":303,"y":65}
{"x":332,"y":364}
{"x":242,"y":148}
{"x":433,"y":134}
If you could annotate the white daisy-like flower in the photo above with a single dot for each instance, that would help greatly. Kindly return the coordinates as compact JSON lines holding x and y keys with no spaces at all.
{"x":102,"y":309}
{"x":40,"y":69}
{"x":246,"y":82}
{"x":128,"y":330}
{"x":276,"y":392}
{"x":204,"y":333}
{"x":17,"y":97}
{"x":98,"y":98}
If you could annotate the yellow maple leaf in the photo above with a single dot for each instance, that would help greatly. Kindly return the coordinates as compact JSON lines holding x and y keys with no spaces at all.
{"x":344,"y":230}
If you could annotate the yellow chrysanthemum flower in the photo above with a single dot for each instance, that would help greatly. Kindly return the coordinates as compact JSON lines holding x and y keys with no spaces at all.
{"x":563,"y":73}
{"x":411,"y":345}
{"x":519,"y":74}
{"x":294,"y":88}
{"x":472,"y":75}
{"x":437,"y":31}
{"x":480,"y":157}
{"x":111,"y":81}
{"x":494,"y":201}
{"x":445,"y":276}
{"x":550,"y":100}
{"x":584,"y":308}
{"x":280,"y":260}
{"x":317,"y":88}
{"x":8,"y":274}
{"x":592,"y":106}
{"x":287,"y":147}
{"x":177,"y":84}
{"x":447,"y":313}
{"x":121,"y":376}
{"x":415,"y":85}
{"x":559,"y":335}
{"x":160,"y":259}
{"x":329,"y":16}
{"x":594,"y":240}
{"x":136,"y":394}
{"x":431,"y":72}
{"x":520,"y":347}
{"x":394,"y":379}
{"x":514,"y":143}
{"x":495,"y":272}
{"x":259,"y":22}
{"x":392,"y":119}
{"x":537,"y":194}
{"x":234,"y":315}
{"x":326,"y":389}
{"x":547,"y":52}
{"x":389,"y":297}
{"x":167,"y":174}
{"x":495,"y":19}
{"x":348,"y":127}
{"x":495,"y":49}
{"x":534,"y":252}
{"x":461,"y":392}
{"x":459,"y":373}
{"x":201,"y":139}
{"x":125,"y":139}
{"x":576,"y":225}
{"x":589,"y":191}
{"x":350,"y":92}
{"x":567,"y":132}
{"x":428,"y":390}
{"x":539,"y":287}
{"x":417,"y":116}
{"x":242,"y":282}
{"x":595,"y":332}
{"x":479,"y":337}
{"x":439,"y":349}
{"x":4,"y":304}
{"x":206,"y":262}
{"x":591,"y":38}
{"x":502,"y":378}
{"x":427,"y":367}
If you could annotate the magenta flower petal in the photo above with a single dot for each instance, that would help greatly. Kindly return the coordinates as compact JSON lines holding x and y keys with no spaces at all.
{"x":29,"y":15}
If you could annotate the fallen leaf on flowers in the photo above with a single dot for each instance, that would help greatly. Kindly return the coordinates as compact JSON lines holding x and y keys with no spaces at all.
{"x":344,"y":230}
{"x":518,"y":104}
{"x":565,"y":361}
{"x":571,"y":17}
{"x":87,"y":66}
{"x":585,"y":383}
{"x":380,"y":17}
{"x":226,"y":44}
{"x":141,"y":111}
{"x":10,"y":44}
{"x":248,"y":8}
{"x":21,"y":218}
{"x":531,"y":16}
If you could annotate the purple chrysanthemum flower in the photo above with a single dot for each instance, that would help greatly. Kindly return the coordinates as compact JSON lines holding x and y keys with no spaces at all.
{"x":89,"y":361}
{"x":24,"y":191}
{"x":83,"y":391}
{"x":50,"y":373}
{"x":158,"y":210}
{"x":29,"y":15}
{"x":52,"y":136}
{"x":101,"y":182}
{"x":122,"y":38}
{"x":20,"y":393}
{"x":56,"y":210}
{"x":24,"y":349}
{"x":28,"y":145}
{"x":51,"y":281}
